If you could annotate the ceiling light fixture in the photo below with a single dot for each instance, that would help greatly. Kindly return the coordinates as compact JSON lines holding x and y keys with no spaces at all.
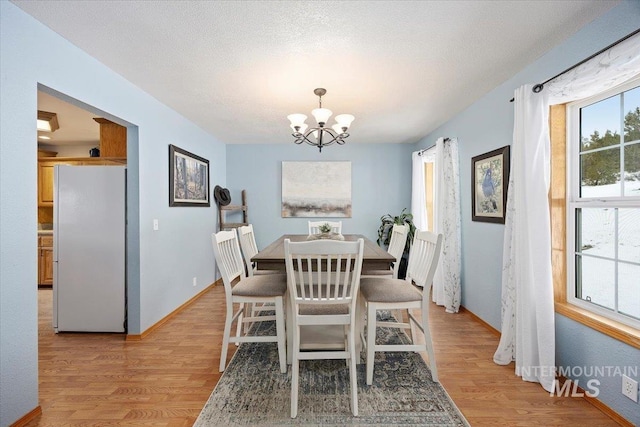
{"x":322,"y":136}
{"x":47,"y":122}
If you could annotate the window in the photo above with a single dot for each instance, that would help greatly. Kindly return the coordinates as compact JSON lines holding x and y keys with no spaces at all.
{"x":603,"y":204}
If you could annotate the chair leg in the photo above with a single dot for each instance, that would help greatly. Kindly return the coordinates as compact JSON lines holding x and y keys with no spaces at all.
{"x":360,"y":322}
{"x":346,"y":341}
{"x":413,"y":330}
{"x":295,"y":367}
{"x":429,"y":342}
{"x":225,"y":336}
{"x":250,"y":307}
{"x":240,"y":320}
{"x":280,"y":331}
{"x":371,"y":340}
{"x":352,"y":370}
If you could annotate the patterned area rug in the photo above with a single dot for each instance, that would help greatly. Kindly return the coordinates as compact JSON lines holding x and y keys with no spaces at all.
{"x":253,"y":392}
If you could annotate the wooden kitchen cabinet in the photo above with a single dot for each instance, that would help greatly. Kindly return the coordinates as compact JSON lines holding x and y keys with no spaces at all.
{"x":45,"y":260}
{"x":113,"y":138}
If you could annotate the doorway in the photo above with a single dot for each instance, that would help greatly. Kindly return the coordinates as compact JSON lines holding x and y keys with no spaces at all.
{"x":75,"y":140}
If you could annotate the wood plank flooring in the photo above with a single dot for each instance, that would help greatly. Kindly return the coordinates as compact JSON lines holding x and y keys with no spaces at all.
{"x":165,"y":379}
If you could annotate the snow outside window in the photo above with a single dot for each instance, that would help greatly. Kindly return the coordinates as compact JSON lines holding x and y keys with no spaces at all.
{"x":603,"y":184}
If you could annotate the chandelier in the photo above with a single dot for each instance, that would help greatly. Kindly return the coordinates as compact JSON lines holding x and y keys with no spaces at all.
{"x":320,"y":136}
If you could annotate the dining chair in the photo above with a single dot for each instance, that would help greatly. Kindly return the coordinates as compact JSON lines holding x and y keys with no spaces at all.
{"x":380,"y":293}
{"x":397,"y":242}
{"x":323,"y":279}
{"x":243,"y":290}
{"x":249,"y":250}
{"x":314,"y":226}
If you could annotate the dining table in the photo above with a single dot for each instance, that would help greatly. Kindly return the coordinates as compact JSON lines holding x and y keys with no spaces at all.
{"x":272,"y":257}
{"x":321,"y":337}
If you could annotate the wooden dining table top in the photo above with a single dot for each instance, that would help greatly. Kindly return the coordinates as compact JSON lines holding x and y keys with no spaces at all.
{"x":272,"y":257}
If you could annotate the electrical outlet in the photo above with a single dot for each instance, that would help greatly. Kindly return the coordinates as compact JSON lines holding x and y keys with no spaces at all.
{"x":630,"y":388}
{"x":156,"y":225}
{"x":195,"y":281}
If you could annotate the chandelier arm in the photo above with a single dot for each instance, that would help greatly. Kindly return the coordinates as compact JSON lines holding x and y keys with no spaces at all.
{"x":337,"y":138}
{"x":303,"y":138}
{"x":299,"y":138}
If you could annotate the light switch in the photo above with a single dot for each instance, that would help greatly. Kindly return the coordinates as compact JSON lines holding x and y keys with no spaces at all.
{"x":155,"y":225}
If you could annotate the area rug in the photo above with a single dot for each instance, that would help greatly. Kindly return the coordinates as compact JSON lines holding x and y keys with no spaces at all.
{"x":253,"y":392}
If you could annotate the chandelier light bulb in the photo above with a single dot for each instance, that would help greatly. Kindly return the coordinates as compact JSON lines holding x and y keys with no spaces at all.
{"x":322,"y":115}
{"x":297,"y":120}
{"x":301,"y":129}
{"x":344,"y":120}
{"x":337,"y":128}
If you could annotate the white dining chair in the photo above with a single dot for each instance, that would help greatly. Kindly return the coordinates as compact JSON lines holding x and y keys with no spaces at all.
{"x":323,"y":279}
{"x":397,"y":243}
{"x":314,"y":226}
{"x":249,"y":250}
{"x":242,"y":290}
{"x":380,"y":293}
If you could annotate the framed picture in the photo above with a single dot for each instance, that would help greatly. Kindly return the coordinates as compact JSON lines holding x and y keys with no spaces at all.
{"x":489,"y":182}
{"x":188,"y":179}
{"x":316,"y":189}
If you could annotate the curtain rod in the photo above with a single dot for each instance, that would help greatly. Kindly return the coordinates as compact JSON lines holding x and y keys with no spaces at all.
{"x":538,"y":88}
{"x":430,"y":147}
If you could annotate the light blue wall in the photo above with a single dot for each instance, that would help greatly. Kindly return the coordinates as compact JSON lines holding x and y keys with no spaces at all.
{"x":167,"y":259}
{"x":381,"y":184}
{"x":487,"y":125}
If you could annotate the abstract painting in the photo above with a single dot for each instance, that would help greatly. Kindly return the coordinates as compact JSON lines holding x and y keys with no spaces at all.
{"x":316,"y":189}
{"x":188,"y":179}
{"x":489,"y":182}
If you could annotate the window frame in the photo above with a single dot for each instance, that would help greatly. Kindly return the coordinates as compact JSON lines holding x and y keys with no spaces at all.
{"x":575,"y":201}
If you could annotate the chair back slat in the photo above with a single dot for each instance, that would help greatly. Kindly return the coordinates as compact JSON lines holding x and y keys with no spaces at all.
{"x":423,"y":259}
{"x":398,"y":240}
{"x":323,"y":271}
{"x":248,"y":245}
{"x":228,"y":257}
{"x":397,"y":243}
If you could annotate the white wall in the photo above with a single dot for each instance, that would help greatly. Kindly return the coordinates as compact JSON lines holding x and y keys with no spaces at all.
{"x":160,"y":277}
{"x":487,"y":125}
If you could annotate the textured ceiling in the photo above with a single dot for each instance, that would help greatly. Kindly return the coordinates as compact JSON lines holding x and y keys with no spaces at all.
{"x":238,"y":68}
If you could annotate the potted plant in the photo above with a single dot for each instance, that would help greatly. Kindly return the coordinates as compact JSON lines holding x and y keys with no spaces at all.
{"x":384,"y":235}
{"x":325,"y":228}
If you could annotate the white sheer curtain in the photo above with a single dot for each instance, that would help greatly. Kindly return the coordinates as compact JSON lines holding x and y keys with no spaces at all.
{"x":446,"y":282}
{"x":418,"y":201}
{"x":528,"y":329}
{"x":607,"y":70}
{"x":528,"y":326}
{"x":446,"y":177}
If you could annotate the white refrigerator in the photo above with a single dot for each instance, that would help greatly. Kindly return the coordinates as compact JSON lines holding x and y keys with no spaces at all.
{"x":89,"y":243}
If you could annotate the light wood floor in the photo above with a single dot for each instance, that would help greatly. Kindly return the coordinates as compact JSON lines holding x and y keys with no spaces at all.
{"x":165,"y":379}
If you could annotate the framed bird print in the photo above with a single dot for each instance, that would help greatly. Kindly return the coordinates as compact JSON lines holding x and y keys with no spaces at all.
{"x":489,"y":182}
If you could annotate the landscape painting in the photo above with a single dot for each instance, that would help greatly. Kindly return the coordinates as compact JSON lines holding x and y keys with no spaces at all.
{"x":188,"y":178}
{"x":316,"y":189}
